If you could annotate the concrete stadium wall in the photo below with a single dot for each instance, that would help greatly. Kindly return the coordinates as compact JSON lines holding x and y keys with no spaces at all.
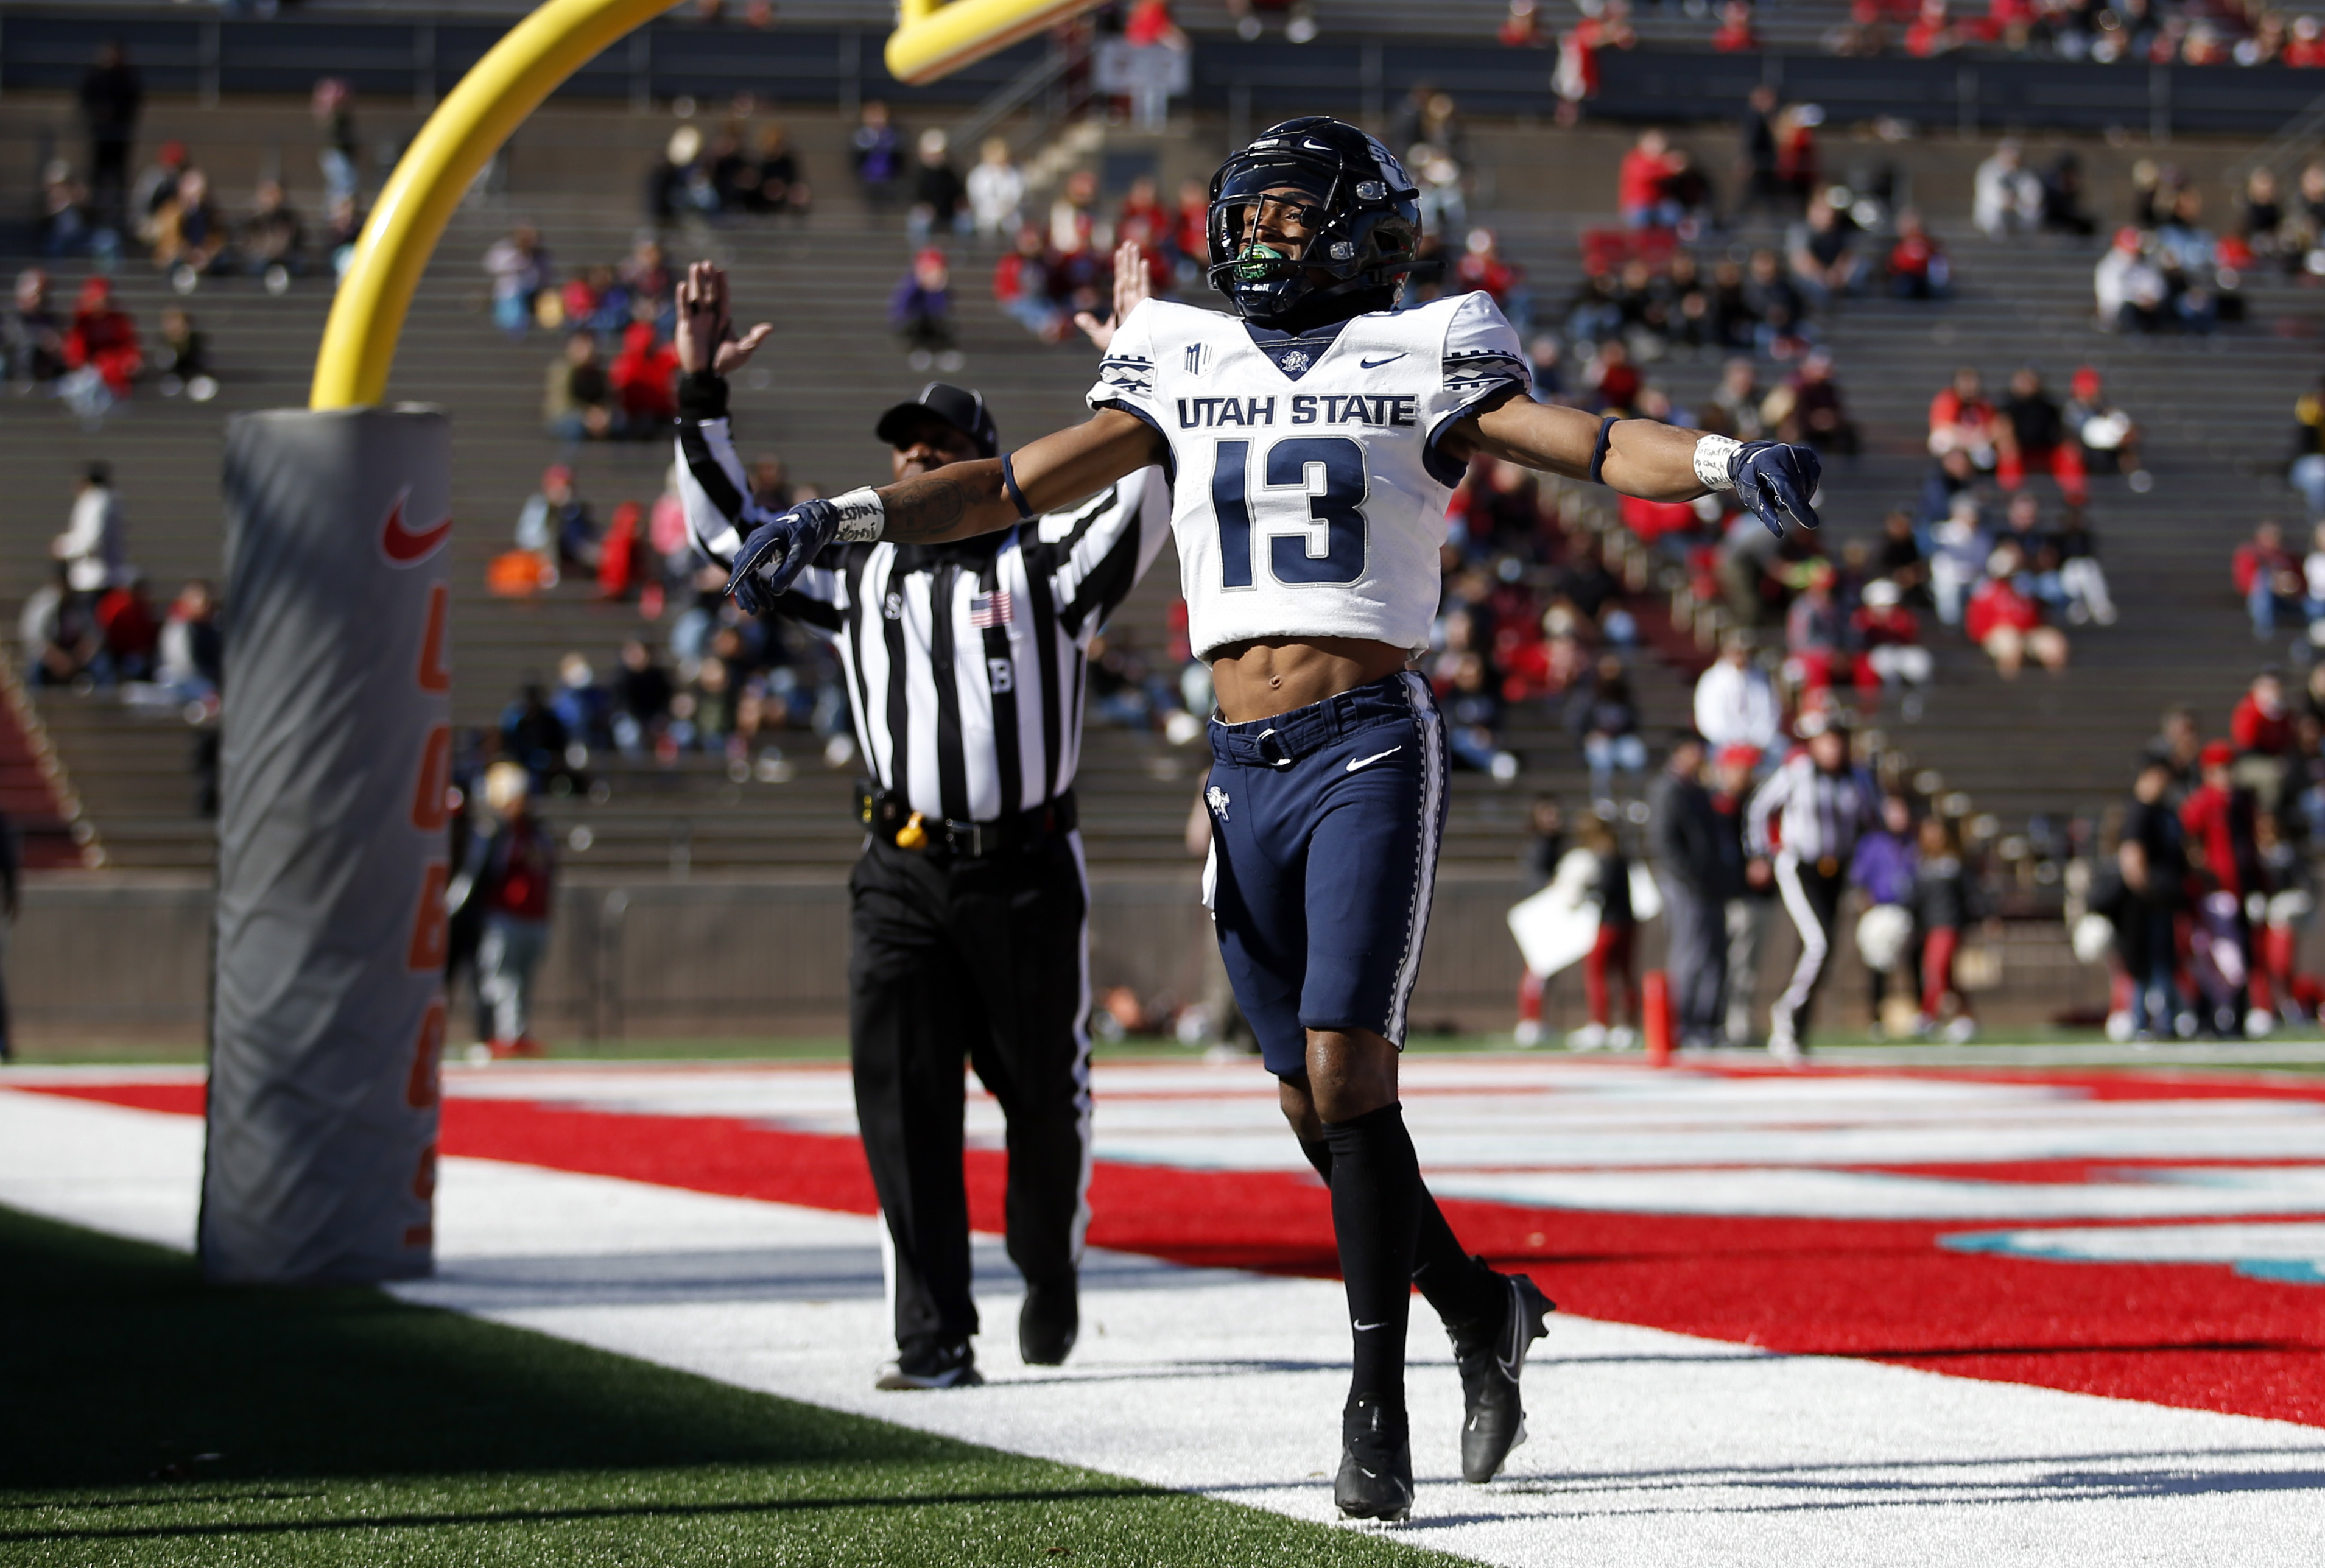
{"x":100,"y":960}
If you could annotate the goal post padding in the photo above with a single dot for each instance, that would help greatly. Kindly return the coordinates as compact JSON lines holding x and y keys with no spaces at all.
{"x":328,"y":1018}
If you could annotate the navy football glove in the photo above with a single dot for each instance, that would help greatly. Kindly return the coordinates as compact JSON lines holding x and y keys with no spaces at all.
{"x":1777,"y":480}
{"x":778,"y":550}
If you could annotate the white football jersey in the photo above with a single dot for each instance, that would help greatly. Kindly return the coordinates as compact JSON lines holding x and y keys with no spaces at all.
{"x":1307,"y":493}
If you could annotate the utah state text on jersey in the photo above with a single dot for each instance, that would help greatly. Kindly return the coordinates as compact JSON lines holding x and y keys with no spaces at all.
{"x":1307,"y":408}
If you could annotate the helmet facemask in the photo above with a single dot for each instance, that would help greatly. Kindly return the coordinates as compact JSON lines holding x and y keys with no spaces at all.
{"x":1358,"y":247}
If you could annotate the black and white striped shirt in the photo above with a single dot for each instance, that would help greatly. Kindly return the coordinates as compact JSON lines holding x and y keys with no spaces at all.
{"x":965,"y":662}
{"x":1821,"y":814}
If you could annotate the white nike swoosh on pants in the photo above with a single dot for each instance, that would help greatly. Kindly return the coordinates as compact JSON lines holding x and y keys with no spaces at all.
{"x":1357,"y":762}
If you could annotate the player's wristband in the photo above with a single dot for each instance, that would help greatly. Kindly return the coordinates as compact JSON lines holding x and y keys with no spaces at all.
{"x":862,"y":516}
{"x":1599,"y":448}
{"x":1715,"y":457}
{"x":1009,"y":483}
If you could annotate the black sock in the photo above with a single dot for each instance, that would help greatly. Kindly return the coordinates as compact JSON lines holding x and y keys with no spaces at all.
{"x":1462,"y":1289}
{"x":1376,"y":1194}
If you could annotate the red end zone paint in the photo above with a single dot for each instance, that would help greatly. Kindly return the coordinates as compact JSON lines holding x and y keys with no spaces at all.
{"x":2199,"y":1336}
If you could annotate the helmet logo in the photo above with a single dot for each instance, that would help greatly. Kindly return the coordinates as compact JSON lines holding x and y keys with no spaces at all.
{"x":1342,"y":250}
{"x":1370,"y":191}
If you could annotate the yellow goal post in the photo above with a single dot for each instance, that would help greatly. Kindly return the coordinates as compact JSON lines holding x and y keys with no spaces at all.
{"x":931,"y":39}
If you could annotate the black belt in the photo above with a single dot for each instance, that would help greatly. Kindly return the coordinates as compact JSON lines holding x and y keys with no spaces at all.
{"x":892,"y":820}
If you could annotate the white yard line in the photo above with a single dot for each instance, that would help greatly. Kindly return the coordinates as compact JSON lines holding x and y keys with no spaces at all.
{"x":1650,"y":1447}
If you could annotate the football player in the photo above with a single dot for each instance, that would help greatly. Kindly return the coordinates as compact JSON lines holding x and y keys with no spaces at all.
{"x":1314,"y":437}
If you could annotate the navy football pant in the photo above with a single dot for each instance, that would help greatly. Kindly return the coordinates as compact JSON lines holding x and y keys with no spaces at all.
{"x":1325,"y":823}
{"x":1325,"y":829}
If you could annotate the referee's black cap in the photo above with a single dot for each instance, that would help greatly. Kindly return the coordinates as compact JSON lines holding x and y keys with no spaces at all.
{"x":963,"y":410}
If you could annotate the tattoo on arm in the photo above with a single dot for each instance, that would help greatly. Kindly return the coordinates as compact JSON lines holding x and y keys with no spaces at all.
{"x":925,"y":508}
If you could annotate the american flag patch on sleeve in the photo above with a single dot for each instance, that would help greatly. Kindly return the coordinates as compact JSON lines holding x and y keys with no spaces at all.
{"x":988,"y":610}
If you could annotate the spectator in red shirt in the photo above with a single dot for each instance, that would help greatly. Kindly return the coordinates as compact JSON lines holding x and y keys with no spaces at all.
{"x":2306,"y":47}
{"x":2269,"y":577}
{"x":125,"y":618}
{"x":1522,"y":28}
{"x":1735,"y":34}
{"x":644,"y":379}
{"x":2219,"y":818}
{"x":1482,"y":270}
{"x":510,"y":870}
{"x":103,"y":335}
{"x":1891,"y":637}
{"x":1639,"y":183}
{"x":1143,"y":206}
{"x":1961,"y":419}
{"x":1020,"y":287}
{"x":621,"y":554}
{"x":1798,"y":166}
{"x":1614,"y":381}
{"x":1934,"y":32}
{"x":1918,"y":267}
{"x":2261,"y":724}
{"x":1150,"y":24}
{"x":1575,"y":79}
{"x":2262,"y":729}
{"x":2007,"y":623}
{"x":1190,"y":229}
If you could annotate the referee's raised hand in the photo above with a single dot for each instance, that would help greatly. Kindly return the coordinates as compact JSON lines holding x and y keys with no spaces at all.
{"x":1133,"y":286}
{"x":705,"y":329}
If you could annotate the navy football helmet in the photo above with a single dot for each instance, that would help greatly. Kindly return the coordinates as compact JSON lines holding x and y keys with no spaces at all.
{"x":1361,"y":210}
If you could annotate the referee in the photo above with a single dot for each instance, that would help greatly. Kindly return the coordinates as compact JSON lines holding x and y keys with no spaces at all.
{"x":965,"y":667}
{"x":1823,"y":804}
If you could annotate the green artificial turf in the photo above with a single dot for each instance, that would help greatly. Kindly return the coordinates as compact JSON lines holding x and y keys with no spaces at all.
{"x":146,"y":1418}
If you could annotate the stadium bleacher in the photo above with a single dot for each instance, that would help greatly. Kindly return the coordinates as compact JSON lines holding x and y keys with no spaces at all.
{"x":826,"y":288}
{"x":2214,"y":410}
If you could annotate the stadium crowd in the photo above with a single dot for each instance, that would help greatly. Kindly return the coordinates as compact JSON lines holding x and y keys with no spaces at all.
{"x":1540,"y":615}
{"x":2132,"y":32}
{"x":92,"y":625}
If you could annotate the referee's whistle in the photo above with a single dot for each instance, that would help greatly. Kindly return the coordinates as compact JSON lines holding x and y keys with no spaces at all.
{"x":911,"y":835}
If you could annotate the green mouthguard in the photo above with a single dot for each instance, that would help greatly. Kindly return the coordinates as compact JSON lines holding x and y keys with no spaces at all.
{"x":1252,"y":265}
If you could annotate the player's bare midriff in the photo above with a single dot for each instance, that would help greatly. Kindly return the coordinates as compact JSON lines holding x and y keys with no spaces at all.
{"x":1260,"y":678}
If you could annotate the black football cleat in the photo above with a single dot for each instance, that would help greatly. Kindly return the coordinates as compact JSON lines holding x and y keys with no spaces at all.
{"x":1048,"y":1323}
{"x":1492,"y":1360}
{"x":1375,"y":1480}
{"x":939,"y":1365}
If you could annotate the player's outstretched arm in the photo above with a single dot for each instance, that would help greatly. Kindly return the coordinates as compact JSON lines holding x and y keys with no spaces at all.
{"x":1643,"y":458}
{"x":958,"y":501}
{"x":962,"y":500}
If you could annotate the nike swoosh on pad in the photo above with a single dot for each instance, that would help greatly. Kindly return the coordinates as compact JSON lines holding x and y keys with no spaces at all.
{"x":1376,"y":364}
{"x":403,"y":546}
{"x":1364,"y":1328}
{"x":1355,"y":763}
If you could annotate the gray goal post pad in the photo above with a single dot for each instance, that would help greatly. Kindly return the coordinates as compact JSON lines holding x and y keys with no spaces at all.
{"x":326,"y":1021}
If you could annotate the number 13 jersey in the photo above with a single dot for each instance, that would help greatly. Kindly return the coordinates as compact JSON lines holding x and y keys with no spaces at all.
{"x":1308,"y":495}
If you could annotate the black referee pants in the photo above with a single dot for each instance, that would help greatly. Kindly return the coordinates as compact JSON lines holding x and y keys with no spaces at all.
{"x":983,"y":962}
{"x":1811,"y":891}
